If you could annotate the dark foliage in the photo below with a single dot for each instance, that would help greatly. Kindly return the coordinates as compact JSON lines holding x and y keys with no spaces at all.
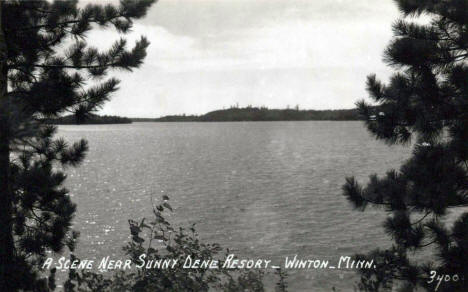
{"x":47,"y":69}
{"x":159,"y":240}
{"x":264,"y":114}
{"x":90,"y":120}
{"x":425,"y":102}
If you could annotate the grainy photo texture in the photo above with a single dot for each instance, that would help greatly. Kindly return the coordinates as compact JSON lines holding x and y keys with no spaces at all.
{"x":233,"y":145}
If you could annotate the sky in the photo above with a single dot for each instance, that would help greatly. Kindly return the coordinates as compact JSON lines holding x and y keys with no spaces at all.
{"x":211,"y":54}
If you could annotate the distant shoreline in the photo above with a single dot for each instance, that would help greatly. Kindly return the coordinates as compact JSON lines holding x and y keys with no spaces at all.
{"x":233,"y":114}
{"x":139,"y":120}
{"x":91,"y":120}
{"x":254,"y":114}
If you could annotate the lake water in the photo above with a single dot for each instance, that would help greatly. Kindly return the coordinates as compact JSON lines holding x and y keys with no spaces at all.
{"x":263,"y":189}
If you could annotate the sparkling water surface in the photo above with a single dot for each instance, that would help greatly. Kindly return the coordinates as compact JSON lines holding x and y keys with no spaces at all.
{"x":263,"y":189}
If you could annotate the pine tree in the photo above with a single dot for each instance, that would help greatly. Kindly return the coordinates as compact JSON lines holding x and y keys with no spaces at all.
{"x":47,"y":69}
{"x":424,"y":103}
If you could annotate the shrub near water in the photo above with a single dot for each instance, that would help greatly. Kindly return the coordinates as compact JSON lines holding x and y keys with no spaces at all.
{"x":157,"y":240}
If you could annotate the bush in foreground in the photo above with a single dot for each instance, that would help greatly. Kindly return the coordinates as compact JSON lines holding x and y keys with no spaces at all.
{"x":158,"y":240}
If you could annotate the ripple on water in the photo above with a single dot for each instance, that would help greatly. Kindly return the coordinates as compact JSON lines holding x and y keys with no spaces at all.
{"x":262,"y":189}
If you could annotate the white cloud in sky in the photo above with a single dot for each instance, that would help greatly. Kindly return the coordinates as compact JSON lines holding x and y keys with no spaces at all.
{"x":209,"y":54}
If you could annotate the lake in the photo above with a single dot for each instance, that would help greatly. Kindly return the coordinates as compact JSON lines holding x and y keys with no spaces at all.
{"x":263,"y":189}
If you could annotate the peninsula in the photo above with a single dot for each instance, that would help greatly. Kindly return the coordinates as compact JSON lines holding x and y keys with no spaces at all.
{"x":91,"y":119}
{"x":261,"y":114}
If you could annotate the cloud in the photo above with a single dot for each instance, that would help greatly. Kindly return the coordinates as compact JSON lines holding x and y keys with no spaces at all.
{"x":206,"y":54}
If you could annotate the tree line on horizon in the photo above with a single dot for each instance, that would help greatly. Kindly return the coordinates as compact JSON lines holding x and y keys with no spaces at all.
{"x":92,"y":119}
{"x":231,"y":114}
{"x":265,"y":114}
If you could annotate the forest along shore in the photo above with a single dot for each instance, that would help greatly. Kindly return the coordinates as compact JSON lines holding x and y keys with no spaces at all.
{"x":261,"y":114}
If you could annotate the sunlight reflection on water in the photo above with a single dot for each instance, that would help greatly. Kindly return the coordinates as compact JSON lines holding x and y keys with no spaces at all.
{"x":265,"y":189}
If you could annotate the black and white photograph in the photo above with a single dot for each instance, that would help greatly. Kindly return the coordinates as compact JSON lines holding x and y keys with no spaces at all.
{"x":234,"y":145}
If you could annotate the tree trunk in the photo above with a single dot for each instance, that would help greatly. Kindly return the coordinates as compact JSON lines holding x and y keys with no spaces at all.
{"x":7,"y":267}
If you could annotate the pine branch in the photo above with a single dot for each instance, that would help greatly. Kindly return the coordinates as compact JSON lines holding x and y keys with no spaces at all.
{"x":70,"y":66}
{"x":63,"y":24}
{"x":420,"y":220}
